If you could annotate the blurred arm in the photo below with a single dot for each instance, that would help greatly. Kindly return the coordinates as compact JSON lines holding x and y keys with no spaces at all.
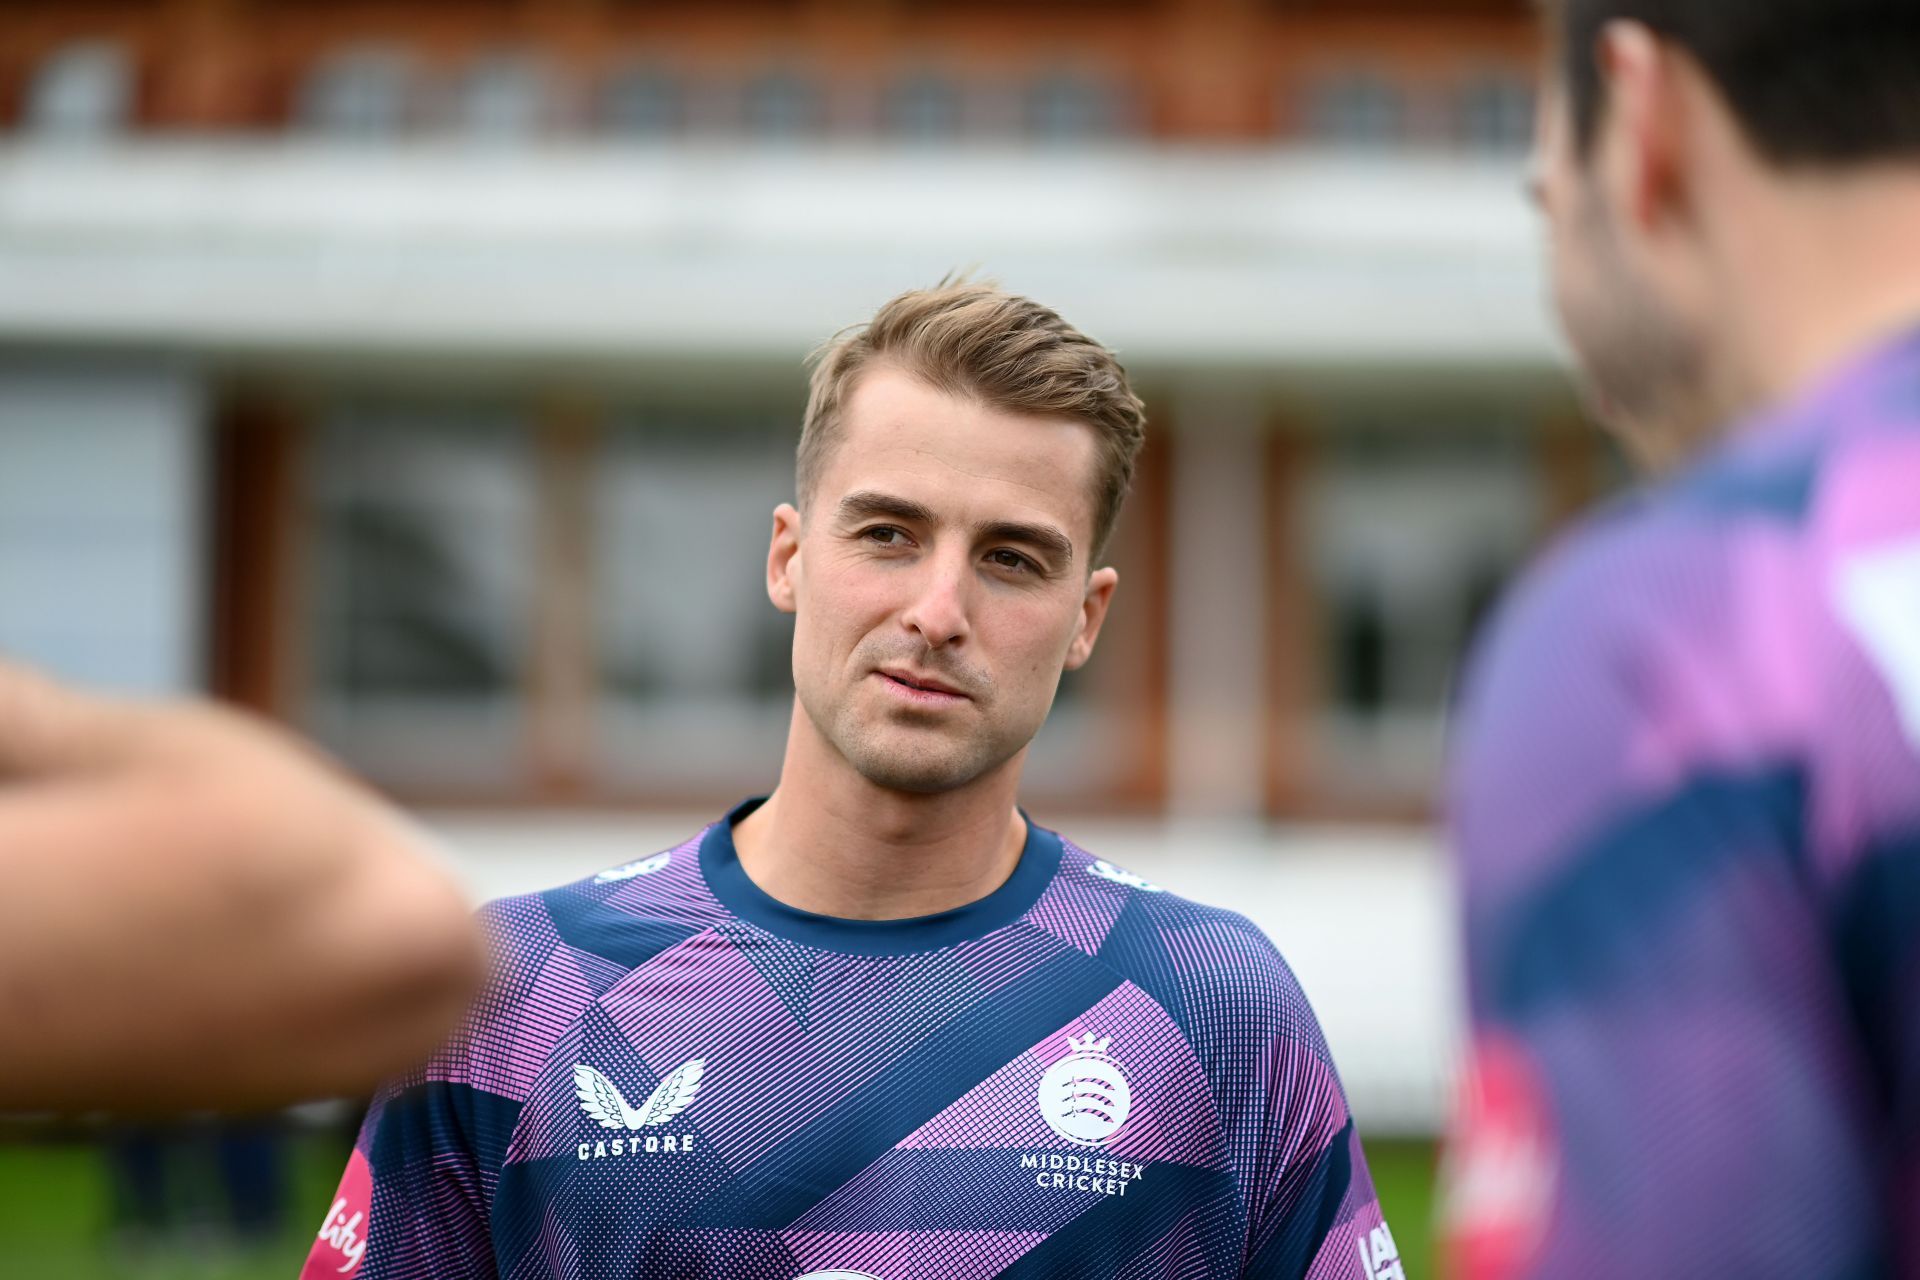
{"x":195,"y":912}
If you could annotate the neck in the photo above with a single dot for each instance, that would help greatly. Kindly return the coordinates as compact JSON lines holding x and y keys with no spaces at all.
{"x":1841,"y":274}
{"x":831,"y":842}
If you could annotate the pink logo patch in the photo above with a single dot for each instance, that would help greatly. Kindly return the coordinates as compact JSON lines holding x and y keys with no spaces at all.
{"x":1501,"y":1166}
{"x":342,"y":1243}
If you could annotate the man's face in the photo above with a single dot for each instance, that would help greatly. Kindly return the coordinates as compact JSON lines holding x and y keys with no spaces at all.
{"x":1640,"y":358}
{"x":940,"y":581}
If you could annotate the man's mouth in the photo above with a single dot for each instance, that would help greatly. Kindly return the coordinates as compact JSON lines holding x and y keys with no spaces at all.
{"x":921,"y":688}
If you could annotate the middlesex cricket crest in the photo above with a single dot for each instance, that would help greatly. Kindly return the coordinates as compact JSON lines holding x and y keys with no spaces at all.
{"x":1085,"y":1097}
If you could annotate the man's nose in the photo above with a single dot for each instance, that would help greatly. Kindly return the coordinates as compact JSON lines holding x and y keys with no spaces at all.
{"x":938,"y":610}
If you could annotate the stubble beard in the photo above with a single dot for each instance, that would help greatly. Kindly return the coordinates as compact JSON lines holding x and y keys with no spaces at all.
{"x":1645,"y":370}
{"x":922,"y":761}
{"x":887,"y":748}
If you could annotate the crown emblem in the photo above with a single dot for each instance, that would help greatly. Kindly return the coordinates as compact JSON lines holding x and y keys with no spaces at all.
{"x":1085,"y":1097}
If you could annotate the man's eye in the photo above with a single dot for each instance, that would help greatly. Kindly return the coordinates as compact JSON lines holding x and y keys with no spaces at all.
{"x":885,"y":535}
{"x":1010,"y":559}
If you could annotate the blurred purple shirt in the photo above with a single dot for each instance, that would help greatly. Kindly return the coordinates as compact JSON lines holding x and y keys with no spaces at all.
{"x":1686,"y":805}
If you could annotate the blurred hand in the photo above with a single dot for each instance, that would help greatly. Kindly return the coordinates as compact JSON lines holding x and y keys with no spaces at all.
{"x":198,"y":912}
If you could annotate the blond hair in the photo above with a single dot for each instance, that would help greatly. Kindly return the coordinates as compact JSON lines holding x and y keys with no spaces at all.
{"x":975,"y":339}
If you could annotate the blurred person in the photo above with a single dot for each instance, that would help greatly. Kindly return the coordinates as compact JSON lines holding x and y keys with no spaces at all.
{"x":1686,"y":794}
{"x":221,"y":1179}
{"x":200,"y":914}
{"x":880,"y":1023}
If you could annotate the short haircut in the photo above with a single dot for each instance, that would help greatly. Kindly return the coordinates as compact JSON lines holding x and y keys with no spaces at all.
{"x":1812,"y":82}
{"x":975,"y":339}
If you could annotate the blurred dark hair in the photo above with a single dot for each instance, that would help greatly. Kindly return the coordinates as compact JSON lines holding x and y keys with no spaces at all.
{"x":1813,"y":82}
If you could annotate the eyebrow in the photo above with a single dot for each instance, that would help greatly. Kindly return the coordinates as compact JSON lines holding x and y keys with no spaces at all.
{"x":867,"y":504}
{"x":870,"y":504}
{"x":1045,"y":539}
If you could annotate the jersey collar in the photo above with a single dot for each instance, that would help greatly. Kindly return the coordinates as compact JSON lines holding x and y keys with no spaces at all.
{"x":720,"y":864}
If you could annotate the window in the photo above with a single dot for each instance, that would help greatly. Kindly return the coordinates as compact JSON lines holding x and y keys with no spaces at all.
{"x":694,"y":674}
{"x":782,"y":104}
{"x":363,"y":93}
{"x":1065,"y":106}
{"x":81,"y":91}
{"x":923,"y":106}
{"x":1409,"y":539}
{"x":644,"y":101}
{"x":1359,"y":109}
{"x":418,"y":590}
{"x":1494,"y":113}
{"x":505,"y":97}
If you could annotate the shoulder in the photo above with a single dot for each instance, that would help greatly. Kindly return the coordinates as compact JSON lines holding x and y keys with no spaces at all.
{"x":1688,"y":551}
{"x":1562,"y":718}
{"x":618,"y":918}
{"x":1667,"y":648}
{"x":1215,"y":971}
{"x":1592,"y":593}
{"x":1667,"y":550}
{"x":1733,"y":556}
{"x":1645,"y":610}
{"x":556,"y":951}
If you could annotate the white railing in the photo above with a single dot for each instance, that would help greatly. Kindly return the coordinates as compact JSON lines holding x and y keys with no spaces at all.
{"x":1245,"y":258}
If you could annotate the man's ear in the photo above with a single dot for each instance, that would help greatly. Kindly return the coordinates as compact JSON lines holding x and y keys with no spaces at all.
{"x":783,"y":558}
{"x":1093,"y":613}
{"x":1642,"y":152}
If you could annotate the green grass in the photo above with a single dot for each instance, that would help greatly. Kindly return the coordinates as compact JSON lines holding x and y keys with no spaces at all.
{"x":1403,"y":1173}
{"x":57,"y":1216}
{"x":57,"y":1219}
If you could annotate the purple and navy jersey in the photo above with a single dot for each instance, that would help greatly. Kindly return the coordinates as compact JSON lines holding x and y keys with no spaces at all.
{"x":1687,"y":810}
{"x":674,"y":1075}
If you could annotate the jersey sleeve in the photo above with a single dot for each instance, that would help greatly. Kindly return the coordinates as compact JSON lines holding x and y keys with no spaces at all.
{"x":411,"y":1202}
{"x":416,"y":1199}
{"x":1313,"y":1212}
{"x":1652,"y":1019}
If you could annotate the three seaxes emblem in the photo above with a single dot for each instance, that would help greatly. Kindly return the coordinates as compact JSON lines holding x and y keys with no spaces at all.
{"x":1085,"y":1097}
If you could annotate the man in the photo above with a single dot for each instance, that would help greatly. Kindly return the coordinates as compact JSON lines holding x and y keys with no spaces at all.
{"x":1687,"y":796}
{"x":197,"y":914}
{"x":882,"y":1024}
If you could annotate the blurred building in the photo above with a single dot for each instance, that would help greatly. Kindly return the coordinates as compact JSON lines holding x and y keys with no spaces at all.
{"x":423,"y":373}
